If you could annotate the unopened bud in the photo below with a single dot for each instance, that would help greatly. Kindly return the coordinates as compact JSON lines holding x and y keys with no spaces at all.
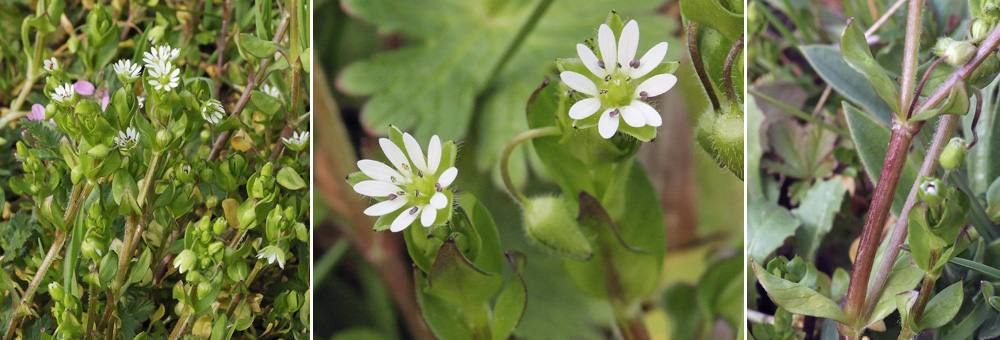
{"x":549,"y":222}
{"x":953,"y":155}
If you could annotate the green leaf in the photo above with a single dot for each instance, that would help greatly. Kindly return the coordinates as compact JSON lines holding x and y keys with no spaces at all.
{"x":513,"y":300}
{"x":904,"y":276}
{"x":108,"y":268}
{"x":258,"y":47}
{"x":854,"y":47}
{"x":943,"y":307}
{"x":983,"y":163}
{"x":290,"y":179}
{"x":140,"y":268}
{"x":817,"y":210}
{"x":720,"y":287}
{"x":444,"y":319}
{"x":803,"y":149}
{"x":265,"y":103}
{"x":713,"y":14}
{"x":798,"y":298}
{"x":457,"y":281}
{"x":872,"y":143}
{"x":768,"y":225}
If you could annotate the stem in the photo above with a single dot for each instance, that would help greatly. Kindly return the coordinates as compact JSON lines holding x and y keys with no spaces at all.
{"x":885,"y":17}
{"x":522,"y":35}
{"x":885,"y":189}
{"x":505,"y":156}
{"x":911,"y":49}
{"x":32,"y":75}
{"x":799,"y":113}
{"x":180,"y":326}
{"x":221,"y":44}
{"x":699,"y":65}
{"x":727,"y":70}
{"x":252,"y":83}
{"x":941,"y":137}
{"x":917,"y":311}
{"x":758,"y":317}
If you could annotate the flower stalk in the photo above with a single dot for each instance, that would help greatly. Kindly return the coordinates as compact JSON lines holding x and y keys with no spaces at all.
{"x":505,"y":156}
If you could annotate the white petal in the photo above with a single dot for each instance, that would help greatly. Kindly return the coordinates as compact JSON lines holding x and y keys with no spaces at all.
{"x":656,"y":85}
{"x":608,"y":125}
{"x":385,"y":207}
{"x":579,"y":82}
{"x":434,"y":154}
{"x":650,"y":60}
{"x":448,"y":176}
{"x":439,"y":201}
{"x":628,"y":43}
{"x":404,"y":220}
{"x":584,"y":108}
{"x":589,"y":60}
{"x":394,"y":154}
{"x":652,"y":116}
{"x":413,"y":150}
{"x":633,"y":117}
{"x":379,"y":171}
{"x":376,"y":188}
{"x":428,"y":217}
{"x":609,"y":52}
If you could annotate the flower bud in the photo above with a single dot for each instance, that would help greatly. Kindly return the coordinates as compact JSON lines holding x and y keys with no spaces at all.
{"x":163,"y":138}
{"x":203,"y":289}
{"x":549,"y":223}
{"x":931,"y":191}
{"x":219,"y":226}
{"x":721,"y":136}
{"x":206,"y":136}
{"x":980,"y":28}
{"x":56,"y":291}
{"x":953,"y":155}
{"x":185,"y":260}
{"x":955,"y":52}
{"x":214,"y":248}
{"x":211,"y":201}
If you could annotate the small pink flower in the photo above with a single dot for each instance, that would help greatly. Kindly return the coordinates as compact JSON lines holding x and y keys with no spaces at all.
{"x":84,"y":87}
{"x":37,"y":112}
{"x":103,"y":97}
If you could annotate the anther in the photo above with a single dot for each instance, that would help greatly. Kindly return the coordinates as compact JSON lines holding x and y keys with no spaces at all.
{"x":629,"y":79}
{"x":570,"y":93}
{"x":413,"y":211}
{"x":392,"y":196}
{"x":400,"y":193}
{"x":634,"y":64}
{"x":619,"y":65}
{"x":643,"y":95}
{"x":392,"y":178}
{"x":614,"y":113}
{"x":438,"y":187}
{"x":607,"y":78}
{"x":416,"y":193}
{"x":406,"y":167}
{"x":420,"y":174}
{"x":600,"y":63}
{"x":604,"y":91}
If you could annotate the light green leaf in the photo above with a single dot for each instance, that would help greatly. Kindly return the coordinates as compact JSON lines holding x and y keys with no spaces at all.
{"x":943,"y":307}
{"x":854,"y":47}
{"x":258,"y":47}
{"x":798,"y":298}
{"x":768,"y":225}
{"x":817,"y":210}
{"x":713,"y":14}
{"x":904,"y":276}
{"x":512,"y":301}
{"x":290,"y":179}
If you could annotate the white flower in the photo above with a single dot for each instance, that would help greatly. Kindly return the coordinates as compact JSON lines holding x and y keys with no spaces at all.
{"x":50,"y":64}
{"x":298,"y":141}
{"x":165,"y":76}
{"x":127,"y":70}
{"x":273,"y":254}
{"x":271,"y":91}
{"x":63,"y":93}
{"x":414,"y":189}
{"x":127,"y":139}
{"x":212,"y":111}
{"x":613,"y":88}
{"x":142,"y":101}
{"x":185,"y":260}
{"x":160,"y":54}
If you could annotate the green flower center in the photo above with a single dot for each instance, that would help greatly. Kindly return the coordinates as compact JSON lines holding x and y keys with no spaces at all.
{"x":616,"y":91}
{"x":420,"y":190}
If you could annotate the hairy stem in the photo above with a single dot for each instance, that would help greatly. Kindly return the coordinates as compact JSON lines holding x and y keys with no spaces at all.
{"x":699,"y":65}
{"x":727,"y":82}
{"x":911,"y":49}
{"x":944,"y":130}
{"x":505,"y":156}
{"x":926,"y":288}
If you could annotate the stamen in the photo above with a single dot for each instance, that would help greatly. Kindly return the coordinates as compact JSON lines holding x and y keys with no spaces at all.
{"x":643,"y":95}
{"x":634,"y":64}
{"x":413,"y":211}
{"x":392,"y":196}
{"x":416,"y":193}
{"x":628,"y":80}
{"x":406,"y":167}
{"x":570,"y":93}
{"x":438,"y":187}
{"x":604,"y":91}
{"x":392,"y":178}
{"x":420,"y":174}
{"x":614,"y":113}
{"x":607,"y":78}
{"x":600,"y":63}
{"x":401,"y":193}
{"x":619,"y":65}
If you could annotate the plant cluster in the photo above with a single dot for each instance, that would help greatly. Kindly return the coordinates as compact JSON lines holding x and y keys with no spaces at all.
{"x":160,"y":173}
{"x":877,"y":154}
